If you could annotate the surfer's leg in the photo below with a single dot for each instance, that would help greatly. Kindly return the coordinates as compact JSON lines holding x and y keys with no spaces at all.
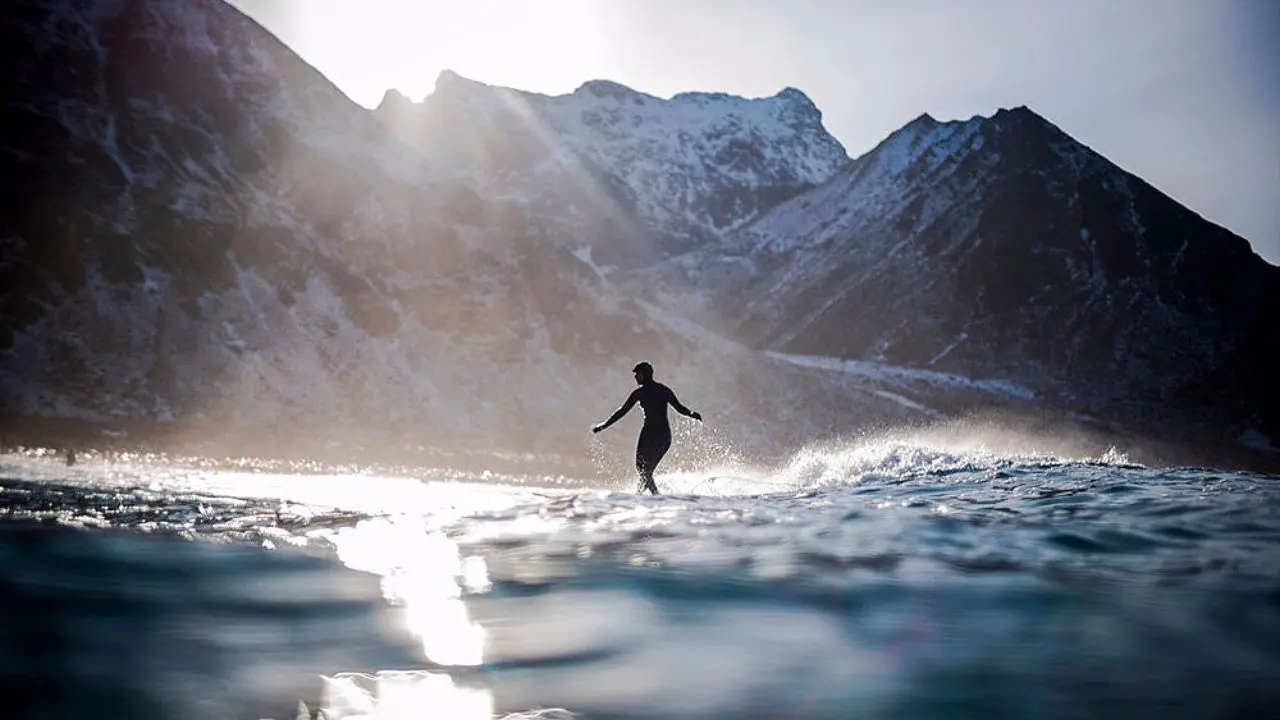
{"x":644,"y":466}
{"x":649,"y":452}
{"x":646,"y":482}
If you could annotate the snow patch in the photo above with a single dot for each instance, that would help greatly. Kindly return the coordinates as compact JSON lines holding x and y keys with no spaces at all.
{"x":907,"y":403}
{"x":583,"y":253}
{"x":880,"y":372}
{"x":947,"y":350}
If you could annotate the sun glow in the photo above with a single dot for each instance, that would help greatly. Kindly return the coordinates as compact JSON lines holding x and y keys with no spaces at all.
{"x":371,"y":46}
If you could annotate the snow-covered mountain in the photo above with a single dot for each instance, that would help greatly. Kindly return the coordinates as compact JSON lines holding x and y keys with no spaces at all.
{"x":1002,"y":247}
{"x":632,"y":175}
{"x":196,"y":225}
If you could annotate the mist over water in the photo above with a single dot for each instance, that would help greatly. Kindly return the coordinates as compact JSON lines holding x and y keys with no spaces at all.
{"x":907,"y":575}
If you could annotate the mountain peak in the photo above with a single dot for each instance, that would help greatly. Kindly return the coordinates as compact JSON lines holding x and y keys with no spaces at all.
{"x":800,"y":106}
{"x":449,"y":81}
{"x":924,"y":121}
{"x":1018,"y":111}
{"x":797,"y":96}
{"x":612,"y":90}
{"x":1021,"y":117}
{"x":447,"y":76}
{"x":394,"y":101}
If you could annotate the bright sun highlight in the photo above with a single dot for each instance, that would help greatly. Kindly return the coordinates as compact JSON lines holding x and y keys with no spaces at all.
{"x":368,"y":47}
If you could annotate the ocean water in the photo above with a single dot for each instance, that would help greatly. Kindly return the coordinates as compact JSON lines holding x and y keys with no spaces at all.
{"x":885,"y":579}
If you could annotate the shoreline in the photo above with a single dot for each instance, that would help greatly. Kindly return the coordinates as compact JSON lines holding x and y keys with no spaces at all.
{"x":331,"y":449}
{"x":310,"y":450}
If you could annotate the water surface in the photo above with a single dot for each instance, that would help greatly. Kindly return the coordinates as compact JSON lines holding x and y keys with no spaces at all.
{"x":887,"y":579}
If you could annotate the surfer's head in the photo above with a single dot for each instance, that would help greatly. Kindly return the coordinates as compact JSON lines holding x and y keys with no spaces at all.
{"x":644,"y":372}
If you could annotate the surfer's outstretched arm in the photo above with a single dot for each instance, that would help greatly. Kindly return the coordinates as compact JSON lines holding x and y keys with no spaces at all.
{"x":617,"y":415}
{"x":680,"y":408}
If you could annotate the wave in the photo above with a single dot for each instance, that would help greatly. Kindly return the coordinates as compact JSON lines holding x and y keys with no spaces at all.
{"x":886,"y":459}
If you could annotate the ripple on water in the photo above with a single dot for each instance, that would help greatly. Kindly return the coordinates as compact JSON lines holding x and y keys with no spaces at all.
{"x":996,"y":585}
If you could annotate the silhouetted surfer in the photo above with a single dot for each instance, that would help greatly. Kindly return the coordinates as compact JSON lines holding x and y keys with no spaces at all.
{"x":655,"y":436}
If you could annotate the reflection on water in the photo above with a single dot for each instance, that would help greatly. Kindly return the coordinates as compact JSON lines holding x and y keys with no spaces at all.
{"x":422,"y":573}
{"x":390,"y":527}
{"x":405,"y":694}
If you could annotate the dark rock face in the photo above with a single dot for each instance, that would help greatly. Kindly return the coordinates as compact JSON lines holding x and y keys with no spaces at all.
{"x":153,"y":149}
{"x":196,"y":223}
{"x":1001,"y":247}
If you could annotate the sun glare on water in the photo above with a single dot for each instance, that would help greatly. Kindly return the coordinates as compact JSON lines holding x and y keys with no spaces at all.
{"x":424,"y":574}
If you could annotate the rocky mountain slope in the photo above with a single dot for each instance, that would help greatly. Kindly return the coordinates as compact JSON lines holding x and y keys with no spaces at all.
{"x":197,"y":226}
{"x":202,"y":225}
{"x":632,"y":175}
{"x":1002,"y":247}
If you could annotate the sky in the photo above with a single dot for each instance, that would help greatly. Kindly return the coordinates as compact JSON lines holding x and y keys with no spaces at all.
{"x":1183,"y":93}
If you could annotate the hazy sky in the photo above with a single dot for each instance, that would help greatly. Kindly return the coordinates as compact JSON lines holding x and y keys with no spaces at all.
{"x":1184,"y":93}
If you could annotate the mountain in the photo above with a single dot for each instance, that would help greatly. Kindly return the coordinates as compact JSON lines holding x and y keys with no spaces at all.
{"x":1002,"y":247}
{"x":198,"y":227}
{"x":634,"y":176}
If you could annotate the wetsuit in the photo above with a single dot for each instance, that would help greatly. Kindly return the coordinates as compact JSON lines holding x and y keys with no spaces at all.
{"x":655,"y":436}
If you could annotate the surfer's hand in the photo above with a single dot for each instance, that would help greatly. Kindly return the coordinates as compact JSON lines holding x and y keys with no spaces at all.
{"x":597,"y":428}
{"x":696,"y":415}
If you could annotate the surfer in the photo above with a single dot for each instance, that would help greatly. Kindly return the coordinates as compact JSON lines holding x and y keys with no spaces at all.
{"x":655,"y":436}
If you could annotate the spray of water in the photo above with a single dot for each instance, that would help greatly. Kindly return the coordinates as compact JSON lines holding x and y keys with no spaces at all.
{"x":969,"y":444}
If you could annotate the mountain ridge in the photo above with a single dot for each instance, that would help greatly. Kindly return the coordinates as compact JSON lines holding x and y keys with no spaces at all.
{"x":215,"y":234}
{"x":666,"y":173}
{"x":208,"y":230}
{"x":908,"y":221}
